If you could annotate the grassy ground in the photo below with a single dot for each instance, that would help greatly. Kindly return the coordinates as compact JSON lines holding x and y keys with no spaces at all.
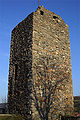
{"x":10,"y":117}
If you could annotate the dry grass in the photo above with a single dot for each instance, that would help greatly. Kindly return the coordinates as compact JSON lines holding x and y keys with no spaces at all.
{"x":10,"y":117}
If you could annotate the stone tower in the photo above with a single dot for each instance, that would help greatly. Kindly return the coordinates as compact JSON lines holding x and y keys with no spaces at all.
{"x":42,"y":35}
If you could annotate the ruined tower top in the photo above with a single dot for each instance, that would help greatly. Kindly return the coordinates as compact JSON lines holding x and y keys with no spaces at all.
{"x":49,"y":15}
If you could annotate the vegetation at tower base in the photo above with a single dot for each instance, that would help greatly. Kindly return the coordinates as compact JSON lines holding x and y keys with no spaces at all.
{"x":11,"y":117}
{"x":46,"y":85}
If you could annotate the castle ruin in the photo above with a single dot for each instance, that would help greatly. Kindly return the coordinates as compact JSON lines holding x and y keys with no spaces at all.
{"x":42,"y":37}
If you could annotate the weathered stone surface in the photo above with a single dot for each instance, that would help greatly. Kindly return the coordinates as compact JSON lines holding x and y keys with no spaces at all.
{"x":40,"y":33}
{"x":20,"y":73}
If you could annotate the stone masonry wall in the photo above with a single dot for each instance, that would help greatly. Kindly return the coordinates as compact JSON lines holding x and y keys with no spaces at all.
{"x":20,"y":73}
{"x":51,"y":38}
{"x":42,"y":35}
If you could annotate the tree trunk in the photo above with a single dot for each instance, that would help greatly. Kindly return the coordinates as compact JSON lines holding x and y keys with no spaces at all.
{"x":46,"y":118}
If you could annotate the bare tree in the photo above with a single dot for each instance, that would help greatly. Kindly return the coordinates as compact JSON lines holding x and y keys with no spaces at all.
{"x":48,"y":77}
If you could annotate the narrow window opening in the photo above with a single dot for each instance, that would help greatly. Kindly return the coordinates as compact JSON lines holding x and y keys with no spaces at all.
{"x":16,"y":68}
{"x":63,"y":48}
{"x":55,"y":17}
{"x":41,"y":12}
